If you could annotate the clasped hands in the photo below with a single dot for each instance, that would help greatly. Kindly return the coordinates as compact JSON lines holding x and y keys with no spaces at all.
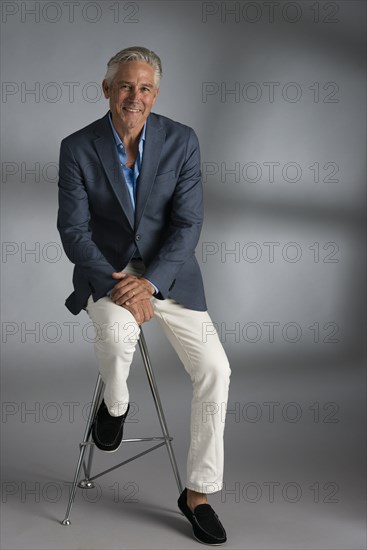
{"x":133,"y":293}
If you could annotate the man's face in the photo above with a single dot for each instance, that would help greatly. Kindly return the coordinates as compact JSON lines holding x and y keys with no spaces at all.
{"x":132,"y":95}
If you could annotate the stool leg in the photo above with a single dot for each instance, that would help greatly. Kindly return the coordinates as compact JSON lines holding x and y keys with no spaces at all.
{"x":153,"y":386}
{"x":83,"y":446}
{"x":87,"y":470}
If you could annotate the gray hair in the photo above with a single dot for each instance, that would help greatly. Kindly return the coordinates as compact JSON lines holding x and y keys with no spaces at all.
{"x":134,"y":53}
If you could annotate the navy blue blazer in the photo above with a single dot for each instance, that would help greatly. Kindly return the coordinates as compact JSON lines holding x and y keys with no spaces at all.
{"x":99,"y":230}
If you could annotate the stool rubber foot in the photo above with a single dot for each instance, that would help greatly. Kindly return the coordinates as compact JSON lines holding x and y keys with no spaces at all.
{"x":66,"y":522}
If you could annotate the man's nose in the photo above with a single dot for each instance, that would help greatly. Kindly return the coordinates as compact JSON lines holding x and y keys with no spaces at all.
{"x":134,"y":93}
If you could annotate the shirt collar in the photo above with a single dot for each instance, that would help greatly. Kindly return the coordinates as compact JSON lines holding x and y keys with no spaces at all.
{"x":117,"y":137}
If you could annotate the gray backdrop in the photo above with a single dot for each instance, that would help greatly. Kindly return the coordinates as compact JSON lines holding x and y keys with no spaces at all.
{"x":276,"y":94}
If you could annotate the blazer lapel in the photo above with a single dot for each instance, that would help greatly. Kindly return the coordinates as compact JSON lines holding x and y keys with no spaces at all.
{"x":106,"y":149}
{"x":154,"y":140}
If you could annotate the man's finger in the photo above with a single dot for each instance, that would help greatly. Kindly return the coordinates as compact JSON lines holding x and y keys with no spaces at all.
{"x":118,"y":274}
{"x":136,"y":312}
{"x":124,"y":283}
{"x":130,"y":297}
{"x":137,"y":295}
{"x":128,"y":290}
{"x":121,"y":289}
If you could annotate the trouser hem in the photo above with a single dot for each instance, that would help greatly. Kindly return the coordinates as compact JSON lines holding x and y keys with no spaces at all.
{"x":206,"y":487}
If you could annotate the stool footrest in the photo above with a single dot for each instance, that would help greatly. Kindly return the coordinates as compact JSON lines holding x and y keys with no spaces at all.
{"x":134,"y":440}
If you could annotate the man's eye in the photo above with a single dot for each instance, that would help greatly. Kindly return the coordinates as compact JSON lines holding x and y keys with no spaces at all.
{"x":124,"y":87}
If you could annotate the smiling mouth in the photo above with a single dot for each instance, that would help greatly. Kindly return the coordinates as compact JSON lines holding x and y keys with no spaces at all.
{"x":131,"y":110}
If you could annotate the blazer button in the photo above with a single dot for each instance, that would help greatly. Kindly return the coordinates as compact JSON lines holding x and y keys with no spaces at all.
{"x":137,"y":237}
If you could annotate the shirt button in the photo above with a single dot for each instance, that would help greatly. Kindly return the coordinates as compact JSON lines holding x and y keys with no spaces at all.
{"x":137,"y":237}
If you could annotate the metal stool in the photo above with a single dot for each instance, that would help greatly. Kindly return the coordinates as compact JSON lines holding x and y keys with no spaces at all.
{"x":87,"y":482}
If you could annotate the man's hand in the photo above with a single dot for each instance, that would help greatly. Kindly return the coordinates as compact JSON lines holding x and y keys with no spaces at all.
{"x":133,"y":293}
{"x":130,"y":289}
{"x":142,"y":311}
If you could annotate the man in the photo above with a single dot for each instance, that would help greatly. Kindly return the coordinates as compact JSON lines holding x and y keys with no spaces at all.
{"x":130,"y":216}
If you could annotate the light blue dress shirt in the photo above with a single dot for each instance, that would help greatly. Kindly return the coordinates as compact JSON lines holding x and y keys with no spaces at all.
{"x":131,"y":175}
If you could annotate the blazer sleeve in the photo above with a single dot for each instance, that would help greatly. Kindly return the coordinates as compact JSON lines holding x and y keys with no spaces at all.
{"x":74,"y":228}
{"x":185,"y":223}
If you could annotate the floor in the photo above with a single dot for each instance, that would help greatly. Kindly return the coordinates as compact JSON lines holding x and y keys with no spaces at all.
{"x":294,"y":468}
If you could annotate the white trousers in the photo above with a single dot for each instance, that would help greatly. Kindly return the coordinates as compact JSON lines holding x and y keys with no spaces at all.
{"x":197,"y":344}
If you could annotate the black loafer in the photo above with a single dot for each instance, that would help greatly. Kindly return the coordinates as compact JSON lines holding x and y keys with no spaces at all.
{"x":205,"y":523}
{"x":107,"y":430}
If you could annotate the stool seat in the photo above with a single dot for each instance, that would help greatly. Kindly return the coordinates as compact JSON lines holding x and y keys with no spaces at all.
{"x":87,"y":446}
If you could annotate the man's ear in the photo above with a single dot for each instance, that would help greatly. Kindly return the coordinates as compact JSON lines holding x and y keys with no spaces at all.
{"x":106,"y":89}
{"x":156,"y":94}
